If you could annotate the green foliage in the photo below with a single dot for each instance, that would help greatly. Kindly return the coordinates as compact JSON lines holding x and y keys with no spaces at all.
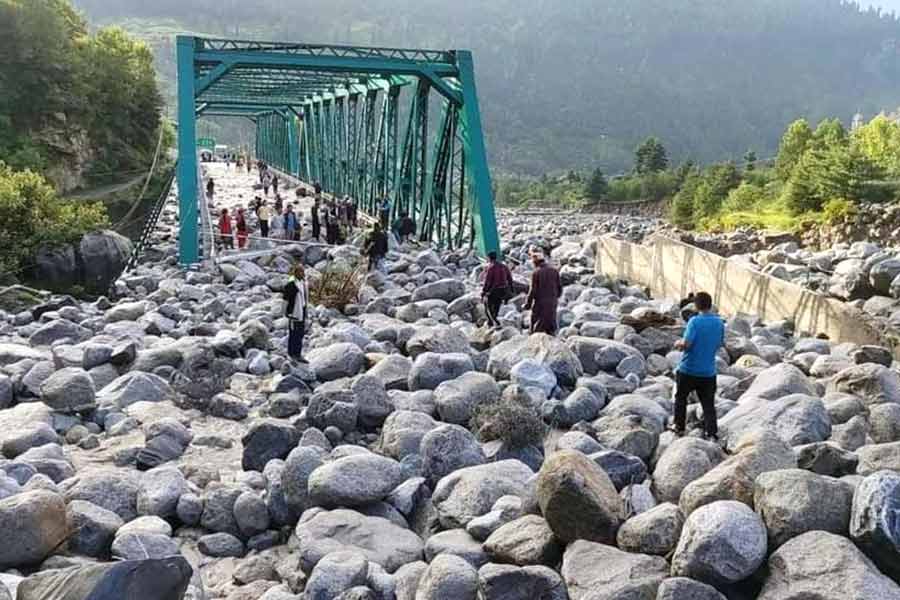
{"x":31,"y":214}
{"x":746,"y":196}
{"x":67,"y":96}
{"x":510,"y":420}
{"x":879,"y":141}
{"x":597,"y":188}
{"x":682,"y":209}
{"x":793,"y":145}
{"x":650,"y":157}
{"x":837,"y":209}
{"x":750,"y":160}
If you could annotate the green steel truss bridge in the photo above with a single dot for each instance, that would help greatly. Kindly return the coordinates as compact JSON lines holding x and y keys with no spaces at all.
{"x":365,"y":122}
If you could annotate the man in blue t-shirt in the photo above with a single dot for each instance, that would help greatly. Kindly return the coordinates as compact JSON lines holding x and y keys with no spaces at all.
{"x":704,"y":335}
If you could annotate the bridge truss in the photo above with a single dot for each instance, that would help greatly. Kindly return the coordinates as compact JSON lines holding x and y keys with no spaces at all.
{"x":359,"y":120}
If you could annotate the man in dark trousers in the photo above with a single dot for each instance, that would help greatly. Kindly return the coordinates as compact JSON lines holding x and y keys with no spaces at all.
{"x":703,"y":336}
{"x":375,"y":246}
{"x":314,"y":217}
{"x":497,"y":289}
{"x":296,"y":299}
{"x":543,"y":297}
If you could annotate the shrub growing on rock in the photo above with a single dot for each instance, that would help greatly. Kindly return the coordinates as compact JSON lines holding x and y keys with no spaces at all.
{"x":510,"y":420}
{"x":336,"y":287}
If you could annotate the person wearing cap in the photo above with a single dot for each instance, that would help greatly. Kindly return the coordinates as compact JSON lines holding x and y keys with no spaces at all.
{"x":543,"y":296}
{"x":497,"y":289}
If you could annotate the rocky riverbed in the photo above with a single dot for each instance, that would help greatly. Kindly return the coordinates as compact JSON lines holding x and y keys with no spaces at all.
{"x":161,"y":443}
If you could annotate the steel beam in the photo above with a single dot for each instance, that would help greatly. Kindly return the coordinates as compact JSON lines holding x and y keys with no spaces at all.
{"x":188,"y":242}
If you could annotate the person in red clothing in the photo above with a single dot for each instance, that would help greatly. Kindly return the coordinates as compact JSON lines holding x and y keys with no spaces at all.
{"x":241,"y":227}
{"x":497,"y":289}
{"x":225,"y":229}
{"x":543,"y":297}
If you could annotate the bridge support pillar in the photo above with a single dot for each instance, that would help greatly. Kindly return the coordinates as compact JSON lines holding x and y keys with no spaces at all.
{"x":188,"y":242}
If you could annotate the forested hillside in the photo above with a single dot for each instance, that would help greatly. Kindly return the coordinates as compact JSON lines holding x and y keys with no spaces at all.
{"x":578,"y":84}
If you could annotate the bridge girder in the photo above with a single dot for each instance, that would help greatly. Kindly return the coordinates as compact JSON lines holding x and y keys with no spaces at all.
{"x":332,"y":114}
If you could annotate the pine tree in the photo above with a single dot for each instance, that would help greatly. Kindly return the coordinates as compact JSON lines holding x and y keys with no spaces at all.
{"x":597,"y":188}
{"x":650,"y":157}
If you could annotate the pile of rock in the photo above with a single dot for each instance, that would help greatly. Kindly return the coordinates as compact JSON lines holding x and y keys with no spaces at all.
{"x":168,"y":432}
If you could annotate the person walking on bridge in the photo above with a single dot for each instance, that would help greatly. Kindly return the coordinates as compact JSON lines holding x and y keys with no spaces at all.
{"x":225,"y":229}
{"x":543,"y":296}
{"x":703,"y":336}
{"x":210,"y":188}
{"x":264,"y":213}
{"x":296,"y":296}
{"x":275,"y":184}
{"x":240,"y":226}
{"x":497,"y":289}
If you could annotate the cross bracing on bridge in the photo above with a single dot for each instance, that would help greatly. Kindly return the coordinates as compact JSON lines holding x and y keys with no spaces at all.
{"x":358,"y":120}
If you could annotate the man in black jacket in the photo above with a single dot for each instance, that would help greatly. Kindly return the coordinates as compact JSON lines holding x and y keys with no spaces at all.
{"x":376,"y":246}
{"x":296,"y":298}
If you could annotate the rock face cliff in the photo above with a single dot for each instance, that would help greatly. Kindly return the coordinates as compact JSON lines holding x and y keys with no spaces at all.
{"x":92,"y":264}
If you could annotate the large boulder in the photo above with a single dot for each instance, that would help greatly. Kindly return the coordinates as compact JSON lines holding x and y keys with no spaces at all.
{"x":540,"y":347}
{"x":792,"y":502}
{"x":578,"y":499}
{"x":447,"y":449}
{"x":402,"y":433}
{"x":597,"y":354}
{"x":655,"y":531}
{"x":381,"y":541}
{"x":733,"y":479}
{"x":152,"y":578}
{"x":721,"y":544}
{"x":69,"y":390}
{"x":447,"y":290}
{"x":525,"y":541}
{"x":824,"y":566}
{"x":471,"y":492}
{"x":267,"y":439}
{"x":104,"y":255}
{"x":871,"y":383}
{"x":133,"y":387}
{"x":684,"y":588}
{"x":448,"y":576}
{"x":354,"y":480}
{"x":35,"y":524}
{"x":458,"y":399}
{"x":779,"y":381}
{"x":874,"y":525}
{"x":797,"y":419}
{"x":594,"y":571}
{"x":508,"y":582}
{"x":108,"y":488}
{"x":683,"y":461}
{"x":440,"y":339}
{"x":336,"y":361}
{"x":431,"y":369}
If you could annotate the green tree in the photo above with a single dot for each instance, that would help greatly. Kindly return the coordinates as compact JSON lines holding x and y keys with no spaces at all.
{"x":793,"y":145}
{"x":879,"y":141}
{"x":31,"y":214}
{"x":838,"y":172}
{"x":829,"y":133}
{"x":750,"y":160}
{"x":650,"y":157}
{"x":682,"y":209}
{"x":597,"y":188}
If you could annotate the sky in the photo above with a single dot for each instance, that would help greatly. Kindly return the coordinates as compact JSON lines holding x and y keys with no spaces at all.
{"x":888,"y":5}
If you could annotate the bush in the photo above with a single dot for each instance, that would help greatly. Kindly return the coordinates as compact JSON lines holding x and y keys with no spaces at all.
{"x":336,"y":287}
{"x":838,"y":209}
{"x":510,"y":420}
{"x":31,"y":214}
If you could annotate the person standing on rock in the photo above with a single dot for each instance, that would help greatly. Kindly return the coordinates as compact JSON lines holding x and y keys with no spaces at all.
{"x":497,"y":289}
{"x":241,"y":228}
{"x":543,"y":296}
{"x":314,"y":218}
{"x":290,"y":223}
{"x":375,"y":247}
{"x":296,"y":298}
{"x":703,"y":336}
{"x":276,"y":225}
{"x":264,"y":213}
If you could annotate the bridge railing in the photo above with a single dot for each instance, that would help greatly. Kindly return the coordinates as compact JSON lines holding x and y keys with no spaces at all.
{"x":151,"y":222}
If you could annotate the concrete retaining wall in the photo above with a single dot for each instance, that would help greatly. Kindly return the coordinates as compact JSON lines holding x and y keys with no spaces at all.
{"x":672,"y":269}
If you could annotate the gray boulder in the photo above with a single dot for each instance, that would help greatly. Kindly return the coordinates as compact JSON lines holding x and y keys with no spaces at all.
{"x":443,"y":289}
{"x":623,"y":574}
{"x":378,"y":539}
{"x":795,"y":418}
{"x":448,"y":577}
{"x":335,"y":573}
{"x":682,"y":588}
{"x":37,"y":522}
{"x":792,"y":502}
{"x":721,"y":544}
{"x":508,"y":582}
{"x":458,"y":399}
{"x":431,"y":369}
{"x":471,"y":492}
{"x":133,"y":387}
{"x":354,"y":480}
{"x":779,"y":381}
{"x":403,"y":432}
{"x":818,"y":564}
{"x":684,"y":460}
{"x":336,"y":361}
{"x":540,"y":347}
{"x":69,"y":390}
{"x":655,"y":531}
{"x":447,"y":449}
{"x":525,"y":541}
{"x":871,"y":383}
{"x":267,"y":439}
{"x":873,"y":524}
{"x":93,"y":528}
{"x":578,"y":499}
